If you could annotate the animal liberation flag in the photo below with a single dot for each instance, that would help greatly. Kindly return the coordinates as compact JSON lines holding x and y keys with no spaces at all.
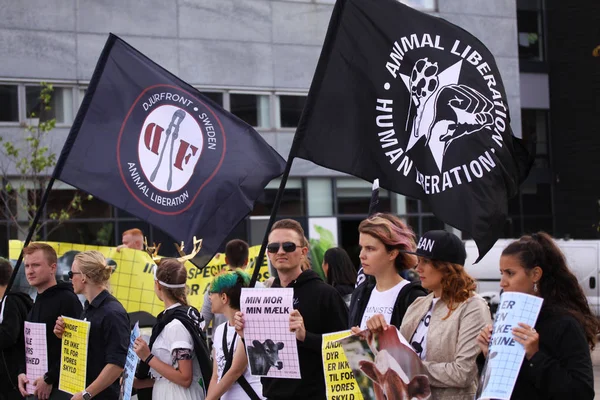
{"x":419,"y":103}
{"x":150,"y":144}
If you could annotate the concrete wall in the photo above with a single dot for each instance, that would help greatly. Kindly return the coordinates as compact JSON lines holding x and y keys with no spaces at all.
{"x":254,"y":44}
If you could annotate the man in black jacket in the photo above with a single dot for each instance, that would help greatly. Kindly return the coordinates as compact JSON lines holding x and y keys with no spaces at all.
{"x":53,"y":300}
{"x":13,"y":311}
{"x":318,"y":309}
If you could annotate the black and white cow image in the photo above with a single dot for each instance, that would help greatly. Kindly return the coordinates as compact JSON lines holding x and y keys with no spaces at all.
{"x":263,"y":356}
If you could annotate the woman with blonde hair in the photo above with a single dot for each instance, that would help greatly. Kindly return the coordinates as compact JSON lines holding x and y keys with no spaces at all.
{"x":442,"y":326}
{"x":383,"y":298}
{"x":558,"y":362}
{"x":109,"y":326}
{"x":177,"y":357}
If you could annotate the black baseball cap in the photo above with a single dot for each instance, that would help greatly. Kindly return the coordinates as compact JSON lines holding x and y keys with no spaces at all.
{"x":442,"y":246}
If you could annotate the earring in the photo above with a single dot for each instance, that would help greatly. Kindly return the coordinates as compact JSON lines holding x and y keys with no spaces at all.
{"x":535,"y":287}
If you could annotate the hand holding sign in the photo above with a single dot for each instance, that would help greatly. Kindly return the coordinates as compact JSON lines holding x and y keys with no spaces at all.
{"x":483,"y":340}
{"x":59,"y":327}
{"x":528,"y":337}
{"x":297,"y":325}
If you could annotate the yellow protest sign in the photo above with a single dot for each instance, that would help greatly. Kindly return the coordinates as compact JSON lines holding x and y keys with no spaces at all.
{"x":339,"y":378}
{"x":132,"y":283}
{"x":73,"y":355}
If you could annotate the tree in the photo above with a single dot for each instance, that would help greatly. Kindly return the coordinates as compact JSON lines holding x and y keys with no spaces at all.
{"x":26,"y":169}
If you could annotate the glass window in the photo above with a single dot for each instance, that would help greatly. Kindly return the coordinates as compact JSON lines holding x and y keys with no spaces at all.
{"x":217,"y":97}
{"x":529,"y":26}
{"x":428,"y":5}
{"x":9,"y":103}
{"x":534,"y":124}
{"x":354,"y":197}
{"x":77,"y":232}
{"x":292,"y":202}
{"x":81,"y":95}
{"x":320,"y":197}
{"x":290,"y":110}
{"x":94,"y":208}
{"x":254,"y":109}
{"x":61,"y":104}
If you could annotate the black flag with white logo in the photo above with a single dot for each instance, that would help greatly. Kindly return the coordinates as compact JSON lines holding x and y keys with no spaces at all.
{"x":152,"y":145}
{"x":419,"y":103}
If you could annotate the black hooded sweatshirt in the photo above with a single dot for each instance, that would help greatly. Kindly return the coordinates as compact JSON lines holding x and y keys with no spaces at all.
{"x":12,"y":341}
{"x":323,"y":311}
{"x":54,"y":302}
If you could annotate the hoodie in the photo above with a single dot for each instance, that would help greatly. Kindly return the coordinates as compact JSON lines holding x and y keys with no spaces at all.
{"x":14,"y":308}
{"x":56,"y":301}
{"x":323,"y":311}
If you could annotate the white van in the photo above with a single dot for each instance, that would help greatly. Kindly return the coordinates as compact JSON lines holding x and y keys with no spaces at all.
{"x":583,"y":258}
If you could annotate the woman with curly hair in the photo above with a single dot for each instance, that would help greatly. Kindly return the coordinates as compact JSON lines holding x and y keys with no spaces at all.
{"x":557,"y":362}
{"x":442,"y":326}
{"x":383,"y":298}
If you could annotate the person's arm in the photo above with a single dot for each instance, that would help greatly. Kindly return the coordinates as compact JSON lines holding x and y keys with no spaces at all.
{"x":181,"y":376}
{"x":11,"y":324}
{"x":568,"y":372}
{"x":238,"y":366}
{"x":206,"y":312}
{"x":108,"y":375}
{"x":336,"y":319}
{"x":215,"y":376}
{"x":460,"y":372}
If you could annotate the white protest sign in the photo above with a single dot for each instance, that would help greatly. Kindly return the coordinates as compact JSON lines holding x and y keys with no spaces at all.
{"x":505,"y":354}
{"x":36,"y":353}
{"x":130,"y":365}
{"x":271,"y":347}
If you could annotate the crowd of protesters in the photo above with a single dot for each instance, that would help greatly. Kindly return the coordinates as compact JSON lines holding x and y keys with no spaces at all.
{"x":442,"y":317}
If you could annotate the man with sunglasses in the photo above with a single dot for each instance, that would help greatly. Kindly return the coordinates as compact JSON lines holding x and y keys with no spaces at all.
{"x":52,"y":300}
{"x":318,"y":309}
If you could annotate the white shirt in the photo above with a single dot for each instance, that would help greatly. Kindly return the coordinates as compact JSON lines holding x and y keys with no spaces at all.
{"x":419,"y":339}
{"x":382,"y":303}
{"x":235,"y":392}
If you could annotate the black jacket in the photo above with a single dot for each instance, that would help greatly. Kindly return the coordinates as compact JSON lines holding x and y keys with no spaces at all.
{"x":362,"y":294}
{"x":52,"y":303}
{"x":323,"y":311}
{"x":12,"y":341}
{"x":562,"y":368}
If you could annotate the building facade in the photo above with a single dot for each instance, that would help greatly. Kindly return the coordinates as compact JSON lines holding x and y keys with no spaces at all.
{"x":257,"y":59}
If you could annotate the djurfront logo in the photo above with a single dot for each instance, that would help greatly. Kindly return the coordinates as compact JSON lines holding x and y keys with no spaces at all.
{"x":456,"y":114}
{"x":170,"y":146}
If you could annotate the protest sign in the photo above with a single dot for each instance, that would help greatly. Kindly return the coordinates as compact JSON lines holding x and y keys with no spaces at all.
{"x":36,"y":353}
{"x":130,"y":365}
{"x":385,"y":366}
{"x":132,"y":282}
{"x":339,"y":379}
{"x":73,"y":355}
{"x":505,"y":354}
{"x":271,"y":347}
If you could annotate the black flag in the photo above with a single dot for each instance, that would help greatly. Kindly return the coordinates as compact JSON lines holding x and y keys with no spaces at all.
{"x":419,"y":103}
{"x":152,"y":145}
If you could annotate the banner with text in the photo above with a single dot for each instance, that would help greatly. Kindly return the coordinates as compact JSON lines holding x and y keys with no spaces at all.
{"x":132,"y":283}
{"x":73,"y":355}
{"x":271,"y":347}
{"x":36,"y":353}
{"x":505,"y":354}
{"x":130,"y":365}
{"x":339,"y":378}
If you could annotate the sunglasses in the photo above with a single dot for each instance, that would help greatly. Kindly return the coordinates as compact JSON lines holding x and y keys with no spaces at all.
{"x":71,"y":273}
{"x":288,"y":247}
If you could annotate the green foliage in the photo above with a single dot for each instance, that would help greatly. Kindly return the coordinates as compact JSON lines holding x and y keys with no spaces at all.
{"x":104,"y":234}
{"x":33,"y":162}
{"x":318,"y":247}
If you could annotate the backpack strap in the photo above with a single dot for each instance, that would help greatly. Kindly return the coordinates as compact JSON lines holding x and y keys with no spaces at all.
{"x":229,"y":360}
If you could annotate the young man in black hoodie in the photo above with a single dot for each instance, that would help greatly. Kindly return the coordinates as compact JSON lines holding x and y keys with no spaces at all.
{"x":13,"y":311}
{"x":53,"y":300}
{"x":318,"y":309}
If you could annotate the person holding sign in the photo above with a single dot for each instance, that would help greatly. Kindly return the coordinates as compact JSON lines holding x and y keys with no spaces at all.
{"x":177,"y":357}
{"x":384,"y":296}
{"x":557,"y":362}
{"x":109,"y":326}
{"x":231,"y":378}
{"x":53,"y":300}
{"x":442,"y":326}
{"x":13,"y":312}
{"x":318,"y":309}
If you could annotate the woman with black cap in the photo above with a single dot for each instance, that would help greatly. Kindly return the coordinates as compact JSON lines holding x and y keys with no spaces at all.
{"x":442,"y":327}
